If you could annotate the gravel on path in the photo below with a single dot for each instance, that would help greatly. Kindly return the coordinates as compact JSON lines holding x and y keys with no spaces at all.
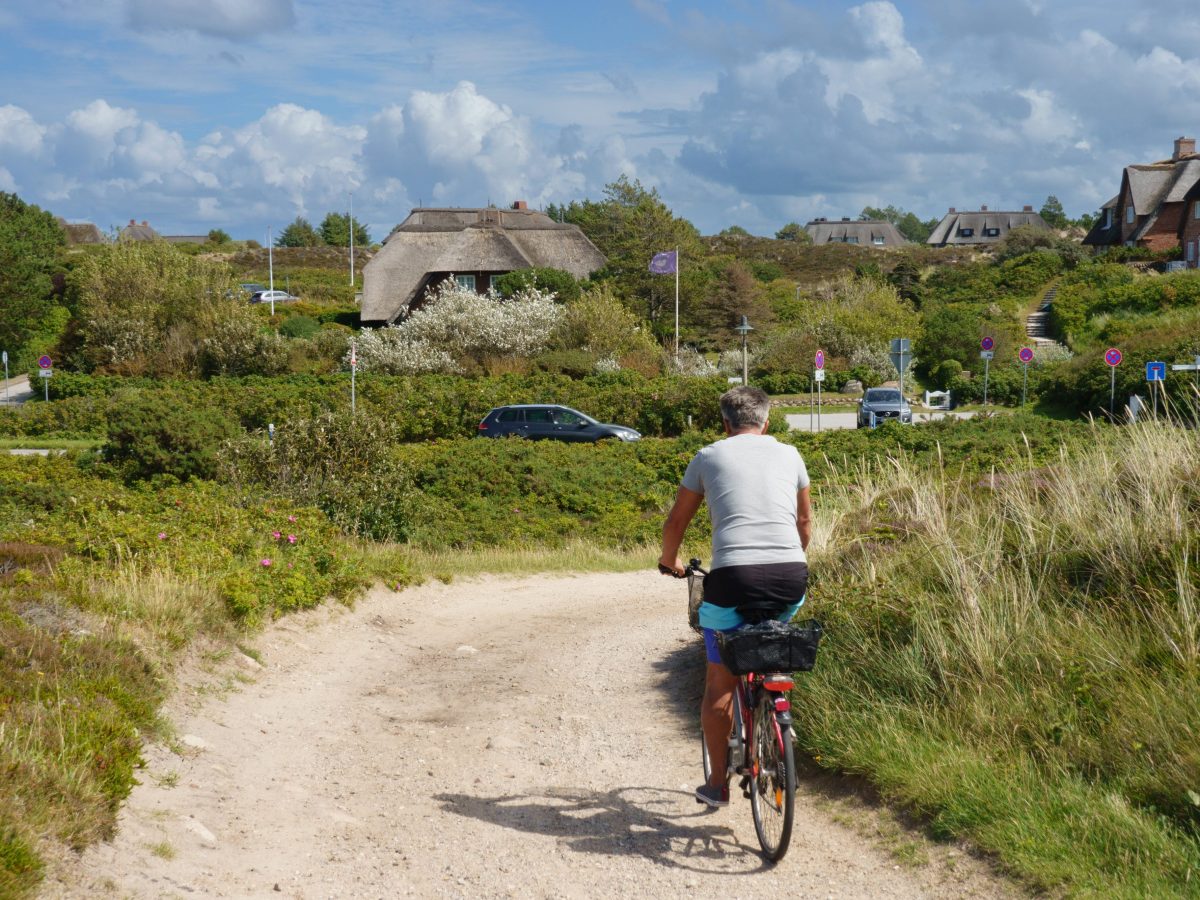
{"x":505,"y":737}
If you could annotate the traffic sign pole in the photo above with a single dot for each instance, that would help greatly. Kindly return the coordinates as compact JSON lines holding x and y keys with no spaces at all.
{"x":6,"y":398}
{"x":1112,"y":390}
{"x":987,"y":368}
{"x":353,"y":372}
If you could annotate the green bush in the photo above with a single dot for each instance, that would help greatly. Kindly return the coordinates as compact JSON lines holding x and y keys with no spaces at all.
{"x":340,"y":463}
{"x":299,"y":327}
{"x":148,"y":437}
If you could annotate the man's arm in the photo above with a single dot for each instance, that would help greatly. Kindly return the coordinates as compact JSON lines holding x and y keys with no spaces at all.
{"x":681,"y":515}
{"x":804,"y":517}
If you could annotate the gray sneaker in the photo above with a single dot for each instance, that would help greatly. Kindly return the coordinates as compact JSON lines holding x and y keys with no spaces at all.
{"x":713,"y":796}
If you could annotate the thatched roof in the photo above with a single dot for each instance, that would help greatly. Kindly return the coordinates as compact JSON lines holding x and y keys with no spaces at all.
{"x":135,"y":232}
{"x":80,"y":232}
{"x":864,"y":232}
{"x":983,"y":227}
{"x":432,"y":243}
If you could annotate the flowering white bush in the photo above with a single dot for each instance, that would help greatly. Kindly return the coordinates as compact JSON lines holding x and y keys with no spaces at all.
{"x":457,"y":325}
{"x":607,"y":365}
{"x":690,"y":363}
{"x":389,"y":351}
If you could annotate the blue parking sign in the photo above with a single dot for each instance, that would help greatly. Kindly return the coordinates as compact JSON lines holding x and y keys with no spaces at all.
{"x":1156,"y":371}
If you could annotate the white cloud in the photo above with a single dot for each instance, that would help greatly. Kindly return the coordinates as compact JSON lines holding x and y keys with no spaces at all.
{"x":234,"y":19}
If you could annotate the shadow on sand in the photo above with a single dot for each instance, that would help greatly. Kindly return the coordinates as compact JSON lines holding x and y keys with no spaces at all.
{"x":633,"y":821}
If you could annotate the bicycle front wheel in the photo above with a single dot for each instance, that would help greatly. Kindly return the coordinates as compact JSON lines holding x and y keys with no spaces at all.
{"x":772,"y":779}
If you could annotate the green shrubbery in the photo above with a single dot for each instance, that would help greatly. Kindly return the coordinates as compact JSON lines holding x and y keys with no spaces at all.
{"x":422,"y":407}
{"x":148,"y":437}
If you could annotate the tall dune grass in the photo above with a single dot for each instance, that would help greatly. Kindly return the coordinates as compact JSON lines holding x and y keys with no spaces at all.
{"x":1018,"y":656}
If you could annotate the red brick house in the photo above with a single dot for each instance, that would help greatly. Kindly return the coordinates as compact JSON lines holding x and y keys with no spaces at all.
{"x":1149,"y":210}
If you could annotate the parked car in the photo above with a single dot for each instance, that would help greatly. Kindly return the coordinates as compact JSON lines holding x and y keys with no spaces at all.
{"x":886,"y":404}
{"x":272,"y":296}
{"x":250,"y":288}
{"x":544,"y":421}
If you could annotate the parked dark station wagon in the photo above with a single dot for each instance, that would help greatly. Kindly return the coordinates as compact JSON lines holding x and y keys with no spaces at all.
{"x":537,"y":421}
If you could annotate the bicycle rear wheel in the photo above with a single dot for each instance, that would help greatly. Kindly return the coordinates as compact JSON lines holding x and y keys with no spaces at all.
{"x":773,"y":779}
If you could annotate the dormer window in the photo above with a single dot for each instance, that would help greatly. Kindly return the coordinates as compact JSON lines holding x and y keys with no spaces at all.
{"x":991,"y":232}
{"x":877,"y":240}
{"x":851,"y":239}
{"x":966,"y":232}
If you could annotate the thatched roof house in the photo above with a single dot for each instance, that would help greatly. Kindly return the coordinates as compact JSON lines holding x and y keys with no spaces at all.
{"x":1149,"y":209}
{"x":80,"y":232}
{"x":970,"y":228}
{"x":474,"y":245}
{"x":864,"y":232}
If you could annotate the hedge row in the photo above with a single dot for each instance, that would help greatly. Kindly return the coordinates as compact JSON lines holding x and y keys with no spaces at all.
{"x":424,"y":407}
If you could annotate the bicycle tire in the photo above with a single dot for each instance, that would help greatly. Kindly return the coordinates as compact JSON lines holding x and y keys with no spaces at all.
{"x":773,"y":779}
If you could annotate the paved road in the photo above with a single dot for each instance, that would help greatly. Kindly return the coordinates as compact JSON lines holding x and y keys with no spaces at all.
{"x":831,"y":421}
{"x":15,"y":391}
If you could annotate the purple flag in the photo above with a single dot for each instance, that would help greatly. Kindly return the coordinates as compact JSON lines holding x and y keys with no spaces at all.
{"x":664,"y":263}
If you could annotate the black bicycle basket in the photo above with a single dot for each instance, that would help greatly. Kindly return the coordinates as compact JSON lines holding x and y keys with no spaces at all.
{"x":771,"y":647}
{"x":695,"y":598}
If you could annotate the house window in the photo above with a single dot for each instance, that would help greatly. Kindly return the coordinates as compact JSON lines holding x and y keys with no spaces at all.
{"x":1108,"y":218}
{"x":991,"y":232}
{"x":877,"y":240}
{"x":465,"y":281}
{"x":1129,"y":215}
{"x":966,"y":232}
{"x":1191,"y":251}
{"x":1196,"y":210}
{"x":851,"y":239}
{"x":492,"y":279}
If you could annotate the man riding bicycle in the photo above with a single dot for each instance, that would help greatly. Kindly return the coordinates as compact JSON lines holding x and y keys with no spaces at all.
{"x":758,"y":500}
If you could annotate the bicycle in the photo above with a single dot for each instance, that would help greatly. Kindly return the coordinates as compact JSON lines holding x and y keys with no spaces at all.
{"x":761,"y":747}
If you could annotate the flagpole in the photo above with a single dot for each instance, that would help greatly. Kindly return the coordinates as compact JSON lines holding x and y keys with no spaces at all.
{"x":677,"y":301}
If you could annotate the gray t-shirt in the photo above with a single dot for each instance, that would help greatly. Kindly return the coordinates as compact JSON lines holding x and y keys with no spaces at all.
{"x":750,"y":482}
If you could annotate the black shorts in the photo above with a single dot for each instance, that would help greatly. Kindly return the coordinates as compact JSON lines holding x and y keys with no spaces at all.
{"x":758,"y":592}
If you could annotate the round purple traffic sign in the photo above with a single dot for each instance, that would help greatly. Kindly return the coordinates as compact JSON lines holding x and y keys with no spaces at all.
{"x":819,"y":359}
{"x":1026,"y":355}
{"x":987,"y":343}
{"x":1112,"y":356}
{"x":45,"y":362}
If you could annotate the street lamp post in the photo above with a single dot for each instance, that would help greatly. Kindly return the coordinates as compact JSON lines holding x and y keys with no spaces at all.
{"x":271,"y":268}
{"x":744,"y":329}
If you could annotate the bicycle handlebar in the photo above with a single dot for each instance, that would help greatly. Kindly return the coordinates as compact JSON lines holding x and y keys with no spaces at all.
{"x":693,"y":567}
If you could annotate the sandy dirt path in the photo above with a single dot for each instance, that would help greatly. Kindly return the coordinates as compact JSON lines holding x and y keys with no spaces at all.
{"x":501,"y":738}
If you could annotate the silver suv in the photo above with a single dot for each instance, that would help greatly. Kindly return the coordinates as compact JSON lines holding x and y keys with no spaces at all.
{"x":886,"y":404}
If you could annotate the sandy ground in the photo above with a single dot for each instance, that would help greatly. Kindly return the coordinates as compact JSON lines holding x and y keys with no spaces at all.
{"x":531,"y":737}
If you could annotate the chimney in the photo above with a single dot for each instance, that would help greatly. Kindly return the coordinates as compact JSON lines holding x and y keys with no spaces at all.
{"x":952,"y":209}
{"x":1027,"y":208}
{"x":520,"y":204}
{"x":132,"y":222}
{"x":145,"y":224}
{"x":1184,"y":146}
{"x":983,"y":209}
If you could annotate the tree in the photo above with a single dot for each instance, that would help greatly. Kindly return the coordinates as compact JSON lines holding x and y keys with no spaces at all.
{"x":299,"y":234}
{"x":735,"y":231}
{"x":734,"y":293}
{"x":1052,"y":213}
{"x":31,"y":243}
{"x":629,"y":226}
{"x":793,"y":231}
{"x":906,"y":223}
{"x":335,"y":231}
{"x":218,"y":237}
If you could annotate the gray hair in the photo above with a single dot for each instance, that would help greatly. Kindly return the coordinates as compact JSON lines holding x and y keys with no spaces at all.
{"x":745,"y":407}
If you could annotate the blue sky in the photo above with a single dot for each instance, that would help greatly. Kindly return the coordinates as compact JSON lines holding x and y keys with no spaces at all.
{"x":240,"y":114}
